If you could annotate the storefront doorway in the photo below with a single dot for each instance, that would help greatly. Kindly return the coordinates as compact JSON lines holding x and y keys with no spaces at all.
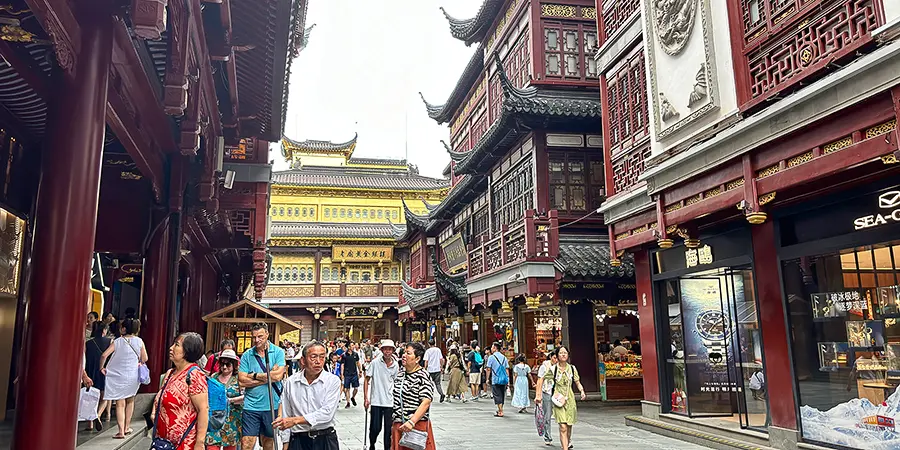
{"x":714,"y":369}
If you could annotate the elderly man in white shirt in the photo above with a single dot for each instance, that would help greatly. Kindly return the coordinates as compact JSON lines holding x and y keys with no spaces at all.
{"x":309,"y":403}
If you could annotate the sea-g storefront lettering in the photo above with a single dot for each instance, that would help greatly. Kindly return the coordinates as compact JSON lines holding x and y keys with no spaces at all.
{"x":890,"y":202}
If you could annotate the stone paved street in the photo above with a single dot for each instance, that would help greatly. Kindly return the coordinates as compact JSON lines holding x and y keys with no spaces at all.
{"x":473,"y":426}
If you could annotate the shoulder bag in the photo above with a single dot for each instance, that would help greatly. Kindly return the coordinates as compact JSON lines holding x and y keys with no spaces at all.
{"x":143,"y":370}
{"x":159,"y":443}
{"x":559,"y":399}
{"x":412,"y":439}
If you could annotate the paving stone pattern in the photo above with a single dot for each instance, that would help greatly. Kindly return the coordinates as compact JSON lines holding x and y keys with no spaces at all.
{"x":473,"y":426}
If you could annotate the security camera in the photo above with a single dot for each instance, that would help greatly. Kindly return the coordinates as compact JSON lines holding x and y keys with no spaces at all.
{"x":516,"y":276}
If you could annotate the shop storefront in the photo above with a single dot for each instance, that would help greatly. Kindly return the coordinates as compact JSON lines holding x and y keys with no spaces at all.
{"x":840,"y":259}
{"x":710,"y":347}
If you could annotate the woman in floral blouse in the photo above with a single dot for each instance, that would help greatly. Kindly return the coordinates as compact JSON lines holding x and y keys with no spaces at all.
{"x":182,"y":404}
{"x":229,"y":436}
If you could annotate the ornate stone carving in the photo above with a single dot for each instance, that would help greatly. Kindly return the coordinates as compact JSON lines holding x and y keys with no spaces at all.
{"x":701,"y":87}
{"x":667,"y":111}
{"x":61,"y":46}
{"x":674,"y":22}
{"x":148,"y":18}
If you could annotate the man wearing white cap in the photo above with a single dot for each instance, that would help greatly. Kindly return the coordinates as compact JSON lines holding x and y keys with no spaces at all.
{"x":380,"y":375}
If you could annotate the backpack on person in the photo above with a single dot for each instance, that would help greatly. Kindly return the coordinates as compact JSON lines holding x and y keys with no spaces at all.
{"x":217,"y":398}
{"x":478,"y":359}
{"x":500,"y":376}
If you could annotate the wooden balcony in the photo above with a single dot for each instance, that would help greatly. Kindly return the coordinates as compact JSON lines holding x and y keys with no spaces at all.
{"x":334,"y":290}
{"x":534,"y":239}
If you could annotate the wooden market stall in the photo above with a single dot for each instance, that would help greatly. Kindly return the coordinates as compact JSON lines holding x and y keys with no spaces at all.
{"x":234,"y":322}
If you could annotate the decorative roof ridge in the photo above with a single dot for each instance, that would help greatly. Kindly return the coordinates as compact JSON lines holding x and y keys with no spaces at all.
{"x":429,"y":206}
{"x":474,"y":29}
{"x":455,"y":156}
{"x":315,"y":145}
{"x":450,"y":199}
{"x":398,"y":230}
{"x":417,"y":220}
{"x":510,"y":89}
{"x":444,"y":113}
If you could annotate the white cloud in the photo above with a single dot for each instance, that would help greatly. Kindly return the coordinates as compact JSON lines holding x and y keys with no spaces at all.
{"x":362,"y":70}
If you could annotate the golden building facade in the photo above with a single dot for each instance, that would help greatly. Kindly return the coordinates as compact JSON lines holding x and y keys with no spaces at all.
{"x":336,"y":265}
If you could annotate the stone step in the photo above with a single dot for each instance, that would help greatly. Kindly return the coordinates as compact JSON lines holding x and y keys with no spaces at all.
{"x":714,"y":438}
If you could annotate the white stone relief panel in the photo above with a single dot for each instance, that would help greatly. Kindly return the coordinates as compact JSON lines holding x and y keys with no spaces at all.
{"x":565,"y":140}
{"x":681,"y":63}
{"x":595,"y":141}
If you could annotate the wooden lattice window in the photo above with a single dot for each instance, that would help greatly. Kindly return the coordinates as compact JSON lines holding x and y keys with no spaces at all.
{"x":787,"y":41}
{"x":615,"y":14}
{"x":567,"y":48}
{"x":627,"y":168}
{"x":576,"y":182}
{"x":626,"y":107}
{"x":512,"y":194}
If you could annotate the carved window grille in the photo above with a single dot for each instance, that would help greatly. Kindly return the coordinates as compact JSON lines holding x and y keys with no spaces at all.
{"x":627,"y":103}
{"x":615,"y":14}
{"x":429,"y":263}
{"x":480,"y":225}
{"x":518,"y":63}
{"x":627,"y":169}
{"x":567,"y":48}
{"x":576,"y":182}
{"x":788,"y":41}
{"x":495,"y":94}
{"x":415,"y":264}
{"x":512,"y":194}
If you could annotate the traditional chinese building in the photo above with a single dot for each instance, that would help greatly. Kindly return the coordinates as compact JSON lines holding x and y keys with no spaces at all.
{"x":752,"y":152}
{"x":134,"y":141}
{"x":336,"y":265}
{"x":518,"y":253}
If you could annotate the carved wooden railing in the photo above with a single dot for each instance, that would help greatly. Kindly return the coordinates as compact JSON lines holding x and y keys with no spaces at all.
{"x":615,"y":14}
{"x":335,"y":290}
{"x":535,"y":239}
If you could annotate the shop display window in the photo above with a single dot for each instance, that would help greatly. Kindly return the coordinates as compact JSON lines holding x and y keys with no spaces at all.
{"x":844,"y":312}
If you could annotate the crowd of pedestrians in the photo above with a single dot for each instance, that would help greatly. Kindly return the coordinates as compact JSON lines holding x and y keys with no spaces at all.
{"x":285,"y":397}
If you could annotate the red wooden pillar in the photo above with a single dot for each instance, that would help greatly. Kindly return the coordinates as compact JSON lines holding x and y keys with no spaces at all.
{"x":155,"y":300}
{"x":773,"y":323}
{"x":65,"y":222}
{"x":649,"y":360}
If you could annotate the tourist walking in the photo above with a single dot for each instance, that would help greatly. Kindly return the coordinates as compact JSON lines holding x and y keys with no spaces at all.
{"x":413,"y":393}
{"x":212,"y":364}
{"x":93,"y":354}
{"x":378,"y":393}
{"x":564,"y":376}
{"x":474,"y":362}
{"x":229,"y":436}
{"x":253,"y":376}
{"x":522,"y":382}
{"x":457,"y":386}
{"x":310,"y":402}
{"x":181,"y":409}
{"x":542,"y":394}
{"x":122,"y":380}
{"x":350,"y":369}
{"x":498,"y":372}
{"x":434,"y":360}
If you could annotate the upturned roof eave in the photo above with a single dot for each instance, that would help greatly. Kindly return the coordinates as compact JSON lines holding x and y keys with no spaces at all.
{"x":444,"y":113}
{"x":476,"y":28}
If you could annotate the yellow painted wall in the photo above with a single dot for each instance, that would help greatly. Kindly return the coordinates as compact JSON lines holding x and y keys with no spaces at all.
{"x":312,"y":209}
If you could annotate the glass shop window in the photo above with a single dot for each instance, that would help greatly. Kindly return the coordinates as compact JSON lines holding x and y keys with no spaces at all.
{"x":844,"y":309}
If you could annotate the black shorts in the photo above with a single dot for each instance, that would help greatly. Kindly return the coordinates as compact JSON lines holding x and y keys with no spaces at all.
{"x":351,"y":381}
{"x":499,"y":393}
{"x":257,"y":423}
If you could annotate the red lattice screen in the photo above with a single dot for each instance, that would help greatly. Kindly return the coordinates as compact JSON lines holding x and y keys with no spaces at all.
{"x":787,"y":41}
{"x":614,"y":16}
{"x":627,"y":103}
{"x":626,"y":170}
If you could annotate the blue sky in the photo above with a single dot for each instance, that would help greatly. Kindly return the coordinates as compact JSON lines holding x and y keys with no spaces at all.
{"x":363,"y":68}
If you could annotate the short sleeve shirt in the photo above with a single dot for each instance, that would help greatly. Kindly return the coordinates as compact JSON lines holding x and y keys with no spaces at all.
{"x":382,"y":382}
{"x":177,"y":411}
{"x":413,"y":387}
{"x":476,"y":368}
{"x":348,"y":361}
{"x":497,"y":362}
{"x":257,"y":398}
{"x":433,"y":357}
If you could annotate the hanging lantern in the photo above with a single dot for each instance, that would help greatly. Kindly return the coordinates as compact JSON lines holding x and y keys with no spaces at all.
{"x":532,"y":302}
{"x":506,"y":306}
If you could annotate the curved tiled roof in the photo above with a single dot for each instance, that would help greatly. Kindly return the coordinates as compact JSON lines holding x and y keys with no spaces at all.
{"x":525,"y":102}
{"x":589,"y":257}
{"x":413,"y":219}
{"x":315,"y":146}
{"x":454,"y":155}
{"x":417,"y":297}
{"x":333,"y":230}
{"x":474,"y":29}
{"x":443,"y":113}
{"x":378,"y":161}
{"x":349,"y":177}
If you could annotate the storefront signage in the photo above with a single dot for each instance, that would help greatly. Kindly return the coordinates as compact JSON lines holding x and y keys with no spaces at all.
{"x":362,"y":253}
{"x":455,"y":253}
{"x":888,"y":200}
{"x":695,"y":256}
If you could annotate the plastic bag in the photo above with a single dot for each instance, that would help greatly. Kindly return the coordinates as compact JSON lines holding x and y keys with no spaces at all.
{"x":87,"y":404}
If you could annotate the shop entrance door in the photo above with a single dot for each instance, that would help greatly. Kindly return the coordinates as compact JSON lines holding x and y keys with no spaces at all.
{"x":716,"y":366}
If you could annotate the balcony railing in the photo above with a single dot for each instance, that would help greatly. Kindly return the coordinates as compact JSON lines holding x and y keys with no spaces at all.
{"x":334,"y":290}
{"x":535,"y":239}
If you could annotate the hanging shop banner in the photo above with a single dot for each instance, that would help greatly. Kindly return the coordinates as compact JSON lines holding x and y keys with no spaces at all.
{"x":455,"y":253}
{"x":362,"y":253}
{"x":708,"y":327}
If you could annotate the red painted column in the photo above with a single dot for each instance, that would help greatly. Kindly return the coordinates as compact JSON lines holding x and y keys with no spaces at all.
{"x":65,"y":221}
{"x":773,"y":324}
{"x":155,"y":301}
{"x":649,"y":361}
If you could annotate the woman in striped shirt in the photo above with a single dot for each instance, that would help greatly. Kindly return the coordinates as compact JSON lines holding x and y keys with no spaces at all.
{"x":413,"y":392}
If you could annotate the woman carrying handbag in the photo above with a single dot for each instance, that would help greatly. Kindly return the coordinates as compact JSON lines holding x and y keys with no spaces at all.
{"x":413,"y":393}
{"x":563,"y":376}
{"x":181,"y":408}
